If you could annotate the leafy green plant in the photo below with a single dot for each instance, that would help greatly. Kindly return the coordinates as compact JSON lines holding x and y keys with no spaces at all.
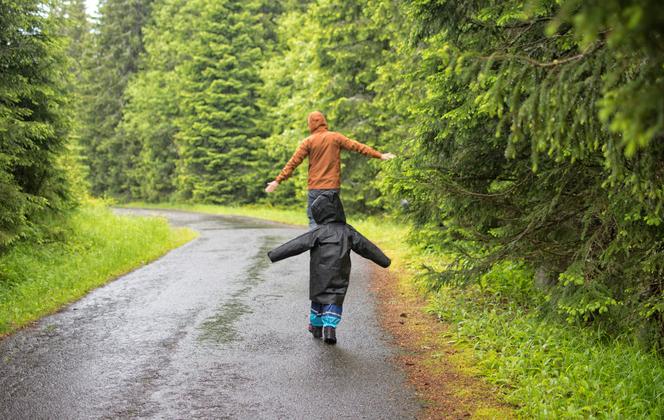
{"x":550,"y":370}
{"x":512,"y":281}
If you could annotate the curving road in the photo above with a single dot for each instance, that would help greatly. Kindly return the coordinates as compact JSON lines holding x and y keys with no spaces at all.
{"x":211,"y":330}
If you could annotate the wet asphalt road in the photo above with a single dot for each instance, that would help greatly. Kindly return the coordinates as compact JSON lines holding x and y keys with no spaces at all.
{"x":211,"y":330}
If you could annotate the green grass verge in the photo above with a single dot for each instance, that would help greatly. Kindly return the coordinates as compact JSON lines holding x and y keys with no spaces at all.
{"x":93,"y":246}
{"x":549,"y":369}
{"x":546,"y":368}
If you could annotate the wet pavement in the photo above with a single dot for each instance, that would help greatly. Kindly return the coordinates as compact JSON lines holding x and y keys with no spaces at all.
{"x":211,"y":330}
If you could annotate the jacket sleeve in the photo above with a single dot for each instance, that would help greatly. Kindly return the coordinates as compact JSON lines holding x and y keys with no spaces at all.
{"x":367,"y":249}
{"x":301,"y":152}
{"x":356,"y":146}
{"x":293,"y":247}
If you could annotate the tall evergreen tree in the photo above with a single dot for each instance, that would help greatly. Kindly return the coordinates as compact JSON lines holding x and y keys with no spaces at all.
{"x":33,"y":125}
{"x":351,"y":47}
{"x":291,"y":83}
{"x":220,"y":128}
{"x":118,"y":44}
{"x":75,"y":28}
{"x":153,"y":101}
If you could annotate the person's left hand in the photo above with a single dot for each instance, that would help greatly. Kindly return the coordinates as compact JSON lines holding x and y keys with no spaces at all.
{"x":271,"y":186}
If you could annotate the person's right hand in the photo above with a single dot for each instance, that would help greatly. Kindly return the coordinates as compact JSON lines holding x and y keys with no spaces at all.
{"x":387,"y":156}
{"x":271,"y":186}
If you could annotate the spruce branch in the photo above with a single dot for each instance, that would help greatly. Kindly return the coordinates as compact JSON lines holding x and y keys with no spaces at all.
{"x":543,"y":64}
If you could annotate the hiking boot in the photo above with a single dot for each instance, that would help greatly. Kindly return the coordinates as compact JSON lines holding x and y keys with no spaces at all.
{"x":317,"y":332}
{"x":330,"y":335}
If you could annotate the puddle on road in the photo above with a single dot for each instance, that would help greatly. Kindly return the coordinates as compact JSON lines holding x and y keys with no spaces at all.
{"x":260,"y":262}
{"x":220,"y":328}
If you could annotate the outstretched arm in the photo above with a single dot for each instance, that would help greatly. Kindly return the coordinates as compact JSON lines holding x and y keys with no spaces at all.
{"x":358,"y":147}
{"x":293,"y":247}
{"x":367,"y":249}
{"x":297,"y":158}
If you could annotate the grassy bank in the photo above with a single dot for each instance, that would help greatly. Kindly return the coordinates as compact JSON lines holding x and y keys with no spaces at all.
{"x":546,"y":368}
{"x":86,"y":250}
{"x":551,"y":370}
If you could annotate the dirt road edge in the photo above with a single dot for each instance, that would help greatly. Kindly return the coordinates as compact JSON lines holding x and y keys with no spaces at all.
{"x":442,"y":374}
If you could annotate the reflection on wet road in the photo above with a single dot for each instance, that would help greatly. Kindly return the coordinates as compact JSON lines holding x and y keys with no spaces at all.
{"x":211,"y":330}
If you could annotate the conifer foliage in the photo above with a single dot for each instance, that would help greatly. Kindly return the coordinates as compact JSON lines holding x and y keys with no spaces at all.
{"x":193,"y":109}
{"x":350,"y":48}
{"x":75,"y":31}
{"x":153,"y":101}
{"x":118,"y":44}
{"x":220,"y":122}
{"x":327,"y":57}
{"x":33,"y":120}
{"x":539,"y":138}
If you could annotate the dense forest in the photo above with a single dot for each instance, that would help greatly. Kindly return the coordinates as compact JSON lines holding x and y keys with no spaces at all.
{"x":529,"y":132}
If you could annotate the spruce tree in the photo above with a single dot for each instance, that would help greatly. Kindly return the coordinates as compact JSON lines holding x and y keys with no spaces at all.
{"x":118,"y":44}
{"x":327,"y":60}
{"x":75,"y":29}
{"x":219,"y":126}
{"x":33,"y":125}
{"x":291,"y":82}
{"x":153,"y":101}
{"x":351,"y":47}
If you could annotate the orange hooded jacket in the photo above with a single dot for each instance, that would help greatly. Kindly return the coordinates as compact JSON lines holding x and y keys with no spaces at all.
{"x":323,"y":148}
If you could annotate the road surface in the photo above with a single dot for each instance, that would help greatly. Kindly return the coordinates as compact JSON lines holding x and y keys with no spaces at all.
{"x":211,"y":330}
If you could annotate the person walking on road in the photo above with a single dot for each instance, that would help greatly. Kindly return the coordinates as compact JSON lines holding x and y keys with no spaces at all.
{"x":330,"y":243}
{"x":323,"y":148}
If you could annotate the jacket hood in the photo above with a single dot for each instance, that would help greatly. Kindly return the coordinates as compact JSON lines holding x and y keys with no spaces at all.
{"x":327,"y":208}
{"x":315,"y":121}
